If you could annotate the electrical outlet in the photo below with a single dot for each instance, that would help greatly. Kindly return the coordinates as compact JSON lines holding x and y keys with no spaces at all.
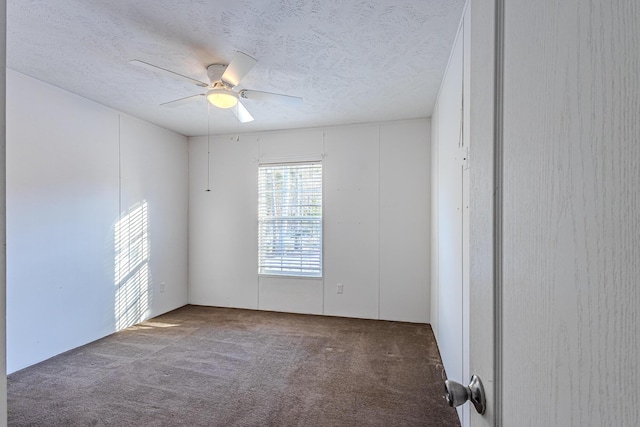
{"x":339,"y":288}
{"x":163,"y":286}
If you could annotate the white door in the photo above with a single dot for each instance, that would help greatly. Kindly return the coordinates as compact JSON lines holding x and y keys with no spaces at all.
{"x":568,"y":226}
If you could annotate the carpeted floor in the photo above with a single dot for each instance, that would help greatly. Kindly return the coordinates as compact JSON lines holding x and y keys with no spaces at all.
{"x":205,"y":366}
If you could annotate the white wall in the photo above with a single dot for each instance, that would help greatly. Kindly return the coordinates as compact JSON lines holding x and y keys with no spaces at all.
{"x":154,"y":165}
{"x":376,"y":221}
{"x":447,"y":209}
{"x":3,"y":300}
{"x":73,"y":166}
{"x":222,"y":245}
{"x":405,"y":248}
{"x":450,"y":210}
{"x":301,"y":295}
{"x":352,"y":221}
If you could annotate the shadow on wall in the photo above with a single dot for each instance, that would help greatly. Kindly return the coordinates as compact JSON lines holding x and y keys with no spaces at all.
{"x":132,"y":273}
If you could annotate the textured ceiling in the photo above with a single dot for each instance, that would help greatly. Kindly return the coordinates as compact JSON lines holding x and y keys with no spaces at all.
{"x":351,"y":61}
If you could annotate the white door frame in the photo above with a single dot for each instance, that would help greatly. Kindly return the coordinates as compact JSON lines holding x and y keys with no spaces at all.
{"x":485,"y":160}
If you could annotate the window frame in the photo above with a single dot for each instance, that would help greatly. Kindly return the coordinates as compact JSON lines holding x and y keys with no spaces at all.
{"x":317,"y":232}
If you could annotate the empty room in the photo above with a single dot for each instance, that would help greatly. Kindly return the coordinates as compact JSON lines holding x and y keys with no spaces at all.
{"x":263,"y":263}
{"x":320,"y":213}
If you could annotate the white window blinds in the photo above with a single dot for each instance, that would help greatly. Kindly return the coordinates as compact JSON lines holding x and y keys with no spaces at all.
{"x":290,"y":219}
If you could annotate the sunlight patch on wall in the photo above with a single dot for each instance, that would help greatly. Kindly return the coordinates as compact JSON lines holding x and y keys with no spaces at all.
{"x":132,"y":274}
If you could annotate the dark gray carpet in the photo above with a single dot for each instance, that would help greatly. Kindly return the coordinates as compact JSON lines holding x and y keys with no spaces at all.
{"x":205,"y":366}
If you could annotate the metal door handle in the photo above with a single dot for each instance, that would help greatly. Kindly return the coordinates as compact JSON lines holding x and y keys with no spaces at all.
{"x":457,"y":394}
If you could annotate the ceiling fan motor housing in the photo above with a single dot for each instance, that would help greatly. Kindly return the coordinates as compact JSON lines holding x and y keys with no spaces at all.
{"x":215,"y":72}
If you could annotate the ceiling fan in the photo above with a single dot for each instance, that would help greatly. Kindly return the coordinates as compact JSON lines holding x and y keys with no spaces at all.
{"x":224,"y":80}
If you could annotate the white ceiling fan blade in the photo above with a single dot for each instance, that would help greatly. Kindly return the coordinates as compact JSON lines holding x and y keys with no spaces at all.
{"x":269,"y":97}
{"x":242,"y":114}
{"x":239,"y":66}
{"x":161,"y":70}
{"x":182,"y":101}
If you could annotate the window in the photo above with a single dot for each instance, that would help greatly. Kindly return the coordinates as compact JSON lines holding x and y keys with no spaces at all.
{"x":290,"y":219}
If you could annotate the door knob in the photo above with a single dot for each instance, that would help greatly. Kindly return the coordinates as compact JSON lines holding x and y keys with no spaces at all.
{"x":457,"y":394}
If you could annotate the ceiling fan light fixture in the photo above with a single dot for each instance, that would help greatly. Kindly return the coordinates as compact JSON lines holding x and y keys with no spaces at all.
{"x":222,"y":98}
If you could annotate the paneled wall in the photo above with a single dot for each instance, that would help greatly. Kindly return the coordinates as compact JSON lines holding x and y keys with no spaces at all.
{"x":279,"y":293}
{"x":450,"y":210}
{"x":3,"y":301}
{"x":352,"y":237}
{"x":375,"y":213}
{"x":96,"y":221}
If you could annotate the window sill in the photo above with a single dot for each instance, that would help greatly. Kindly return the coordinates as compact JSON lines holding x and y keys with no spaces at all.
{"x":282,"y":276}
